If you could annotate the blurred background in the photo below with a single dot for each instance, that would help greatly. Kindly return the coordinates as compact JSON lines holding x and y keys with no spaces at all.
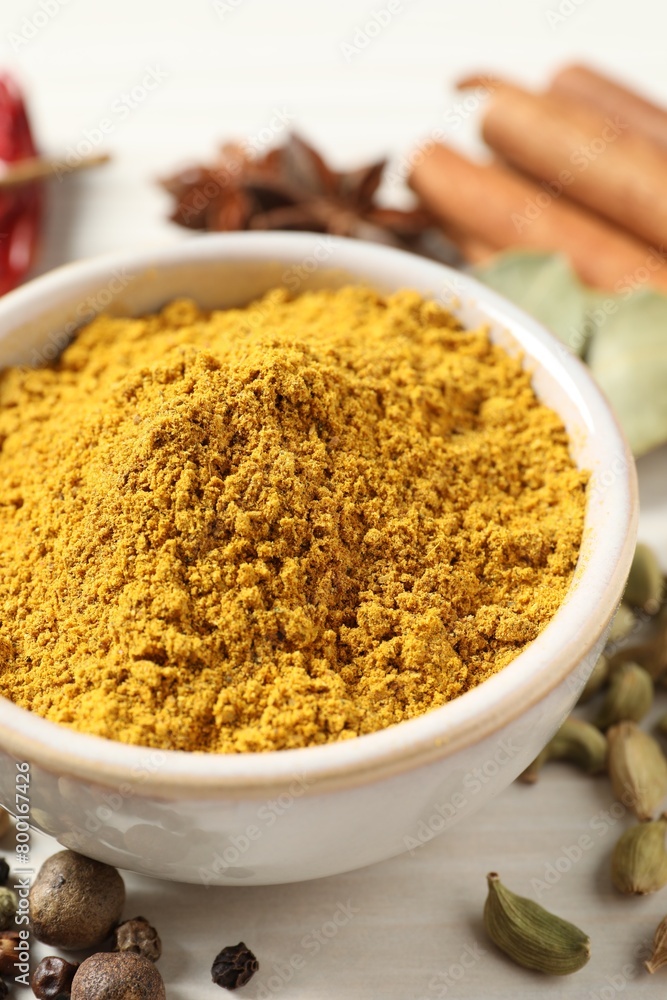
{"x":224,"y":68}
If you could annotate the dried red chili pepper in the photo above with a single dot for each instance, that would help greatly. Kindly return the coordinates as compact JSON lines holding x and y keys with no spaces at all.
{"x":20,"y":207}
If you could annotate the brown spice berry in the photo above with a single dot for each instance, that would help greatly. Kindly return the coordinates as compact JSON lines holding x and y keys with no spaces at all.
{"x":52,"y":979}
{"x":5,"y":822}
{"x":234,"y":966}
{"x":8,"y":906}
{"x":117,"y":976}
{"x":9,"y":952}
{"x":75,"y":902}
{"x":137,"y":936}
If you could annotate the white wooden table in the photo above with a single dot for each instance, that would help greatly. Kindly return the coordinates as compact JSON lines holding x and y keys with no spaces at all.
{"x":411,"y":927}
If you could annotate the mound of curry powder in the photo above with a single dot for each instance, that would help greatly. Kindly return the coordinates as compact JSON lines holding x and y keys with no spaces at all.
{"x":275,"y":526}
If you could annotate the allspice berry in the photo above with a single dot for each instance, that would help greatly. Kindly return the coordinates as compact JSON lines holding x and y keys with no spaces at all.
{"x":5,"y":822}
{"x":139,"y":937}
{"x":75,"y":902}
{"x":118,"y":976}
{"x":52,"y":979}
{"x":9,"y":952}
{"x":8,"y":905}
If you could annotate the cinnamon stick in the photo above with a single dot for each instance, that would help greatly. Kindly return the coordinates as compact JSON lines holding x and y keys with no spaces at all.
{"x":610,"y":97}
{"x":601,"y":162}
{"x":502,"y":209}
{"x":37,"y":168}
{"x":474,"y":250}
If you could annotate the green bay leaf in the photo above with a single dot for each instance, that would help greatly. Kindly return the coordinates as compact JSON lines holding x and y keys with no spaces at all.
{"x":545,"y":285}
{"x":628,"y":357}
{"x":623,"y":337}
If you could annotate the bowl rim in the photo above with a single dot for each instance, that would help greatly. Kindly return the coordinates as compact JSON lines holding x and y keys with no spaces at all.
{"x":545,"y":664}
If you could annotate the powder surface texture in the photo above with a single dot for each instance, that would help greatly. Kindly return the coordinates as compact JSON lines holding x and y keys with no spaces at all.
{"x":275,"y":526}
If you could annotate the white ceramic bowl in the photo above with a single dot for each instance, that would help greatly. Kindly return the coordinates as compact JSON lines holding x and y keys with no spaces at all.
{"x":300,"y":814}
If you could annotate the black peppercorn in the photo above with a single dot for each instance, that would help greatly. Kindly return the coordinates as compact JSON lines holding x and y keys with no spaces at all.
{"x":4,"y":871}
{"x":139,"y":937}
{"x":234,"y":966}
{"x":52,"y":979}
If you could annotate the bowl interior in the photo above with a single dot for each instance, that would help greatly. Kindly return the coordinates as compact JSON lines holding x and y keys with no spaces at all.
{"x":218,"y":271}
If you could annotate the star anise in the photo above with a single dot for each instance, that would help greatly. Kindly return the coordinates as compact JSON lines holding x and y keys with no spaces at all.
{"x":292,"y":187}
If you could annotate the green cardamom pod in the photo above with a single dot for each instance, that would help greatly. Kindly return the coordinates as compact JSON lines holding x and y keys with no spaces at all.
{"x":530,"y":935}
{"x":598,"y":678}
{"x":532,"y":772}
{"x":644,"y":586}
{"x":624,"y":622}
{"x":659,"y":952}
{"x":650,"y":653}
{"x":576,"y":741}
{"x":628,"y":698}
{"x":656,"y":654}
{"x":637,"y":768}
{"x":639,"y":861}
{"x":649,"y":648}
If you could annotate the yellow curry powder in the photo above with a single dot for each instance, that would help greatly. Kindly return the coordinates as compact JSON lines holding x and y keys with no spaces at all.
{"x":275,"y":526}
